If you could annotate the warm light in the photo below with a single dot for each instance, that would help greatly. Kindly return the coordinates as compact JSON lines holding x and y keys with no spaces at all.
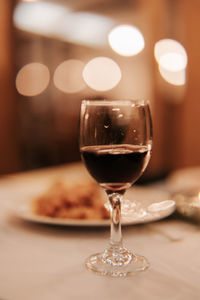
{"x":170,"y":54}
{"x":39,"y":17}
{"x":175,"y":78}
{"x":102,"y":74}
{"x":29,"y":0}
{"x":56,"y":20}
{"x":32,"y":79}
{"x":126,"y":40}
{"x":173,"y":61}
{"x":85,"y":28}
{"x":68,"y":76}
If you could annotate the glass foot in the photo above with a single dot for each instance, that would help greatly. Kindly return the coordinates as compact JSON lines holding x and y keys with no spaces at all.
{"x":116,"y":264}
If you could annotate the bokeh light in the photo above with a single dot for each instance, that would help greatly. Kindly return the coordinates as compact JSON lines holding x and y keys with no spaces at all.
{"x":85,"y":28}
{"x":29,"y":0}
{"x":126,"y":40}
{"x":102,"y":74}
{"x":59,"y":21}
{"x":32,"y":79}
{"x":176,"y":78}
{"x":68,"y":76}
{"x":173,"y":61}
{"x":171,"y":57}
{"x":170,"y":54}
{"x":39,"y":17}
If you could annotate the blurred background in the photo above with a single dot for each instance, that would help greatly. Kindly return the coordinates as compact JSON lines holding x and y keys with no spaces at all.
{"x":54,"y":53}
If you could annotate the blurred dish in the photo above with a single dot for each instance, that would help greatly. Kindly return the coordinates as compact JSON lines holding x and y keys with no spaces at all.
{"x":150,"y":204}
{"x":72,"y":200}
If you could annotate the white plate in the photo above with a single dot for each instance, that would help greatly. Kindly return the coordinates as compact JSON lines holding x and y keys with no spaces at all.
{"x":18,"y":191}
{"x":150,"y":204}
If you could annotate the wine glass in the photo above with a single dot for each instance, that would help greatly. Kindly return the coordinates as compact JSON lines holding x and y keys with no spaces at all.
{"x":115,"y":146}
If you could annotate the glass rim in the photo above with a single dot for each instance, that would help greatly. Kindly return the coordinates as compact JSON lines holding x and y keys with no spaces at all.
{"x":104,"y":102}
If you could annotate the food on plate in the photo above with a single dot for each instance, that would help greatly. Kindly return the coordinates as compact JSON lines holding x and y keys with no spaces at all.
{"x":72,"y":200}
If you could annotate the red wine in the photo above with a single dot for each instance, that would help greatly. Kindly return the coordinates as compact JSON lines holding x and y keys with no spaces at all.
{"x":115,"y":166}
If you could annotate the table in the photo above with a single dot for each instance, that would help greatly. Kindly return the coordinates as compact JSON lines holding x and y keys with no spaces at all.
{"x":42,"y":262}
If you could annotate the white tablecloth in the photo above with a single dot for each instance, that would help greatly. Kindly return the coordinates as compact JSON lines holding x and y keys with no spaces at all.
{"x":42,"y":262}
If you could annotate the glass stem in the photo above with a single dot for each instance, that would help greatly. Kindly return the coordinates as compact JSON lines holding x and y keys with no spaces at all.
{"x":115,"y":229}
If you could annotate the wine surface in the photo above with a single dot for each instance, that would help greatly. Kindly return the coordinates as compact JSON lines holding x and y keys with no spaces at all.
{"x":115,"y":165}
